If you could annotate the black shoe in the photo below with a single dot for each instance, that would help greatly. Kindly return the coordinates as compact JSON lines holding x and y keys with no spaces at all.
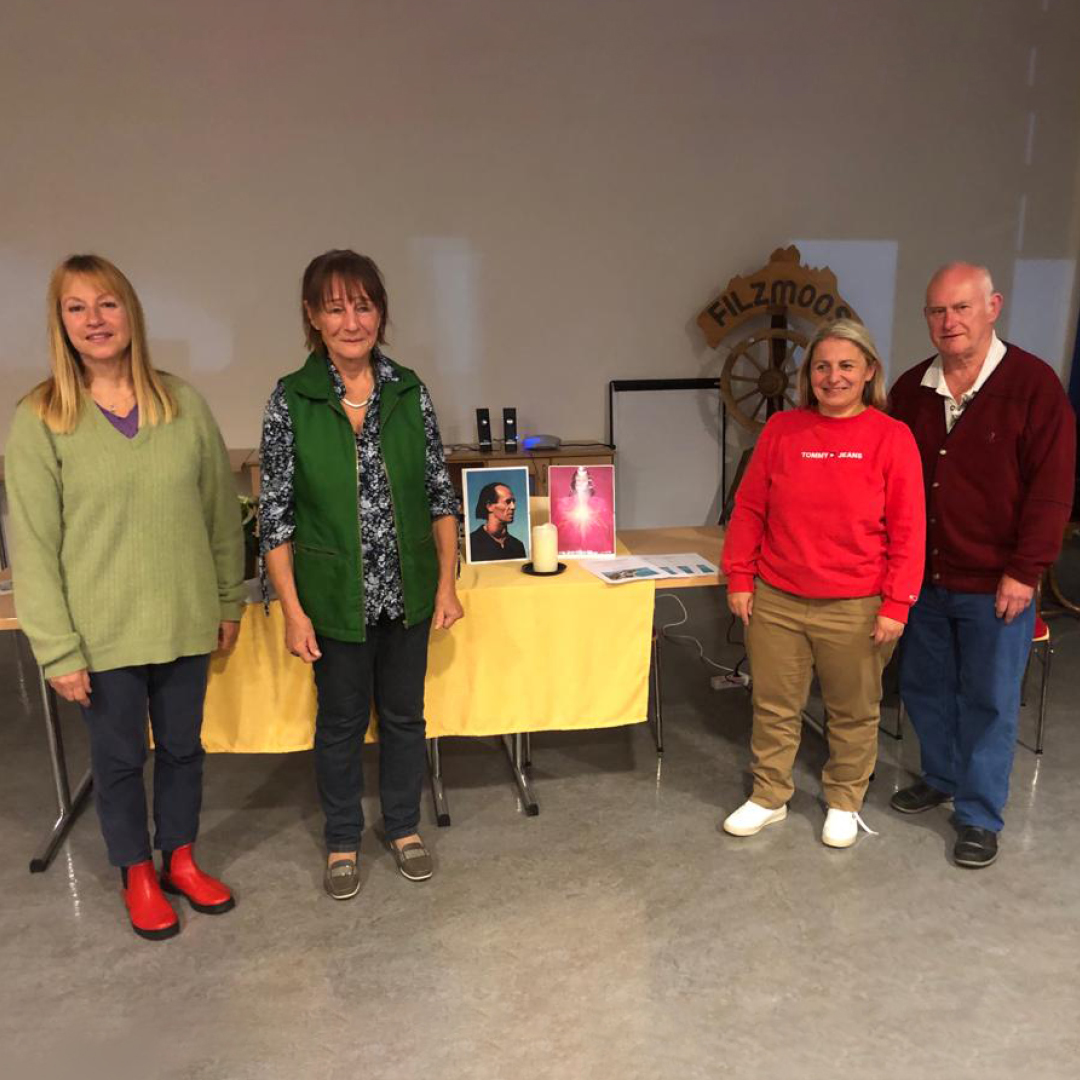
{"x":975,"y":847}
{"x":917,"y":798}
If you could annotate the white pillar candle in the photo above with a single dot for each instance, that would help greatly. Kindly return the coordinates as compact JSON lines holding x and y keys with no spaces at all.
{"x":545,"y":549}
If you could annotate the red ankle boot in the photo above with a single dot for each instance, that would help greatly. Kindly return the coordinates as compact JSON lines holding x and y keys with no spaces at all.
{"x":152,"y":916}
{"x":184,"y":878}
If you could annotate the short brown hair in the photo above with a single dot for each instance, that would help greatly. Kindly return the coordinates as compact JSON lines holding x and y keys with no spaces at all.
{"x":357,"y":273}
{"x":844,"y":330}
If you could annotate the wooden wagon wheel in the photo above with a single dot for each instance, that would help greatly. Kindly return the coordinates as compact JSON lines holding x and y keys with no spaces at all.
{"x":759,"y":376}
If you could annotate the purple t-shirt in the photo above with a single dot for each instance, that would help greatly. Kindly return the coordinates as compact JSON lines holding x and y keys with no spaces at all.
{"x":128,"y":426}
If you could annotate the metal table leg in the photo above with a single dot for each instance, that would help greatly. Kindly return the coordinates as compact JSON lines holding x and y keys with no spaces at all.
{"x":658,"y":730}
{"x":67,"y":805}
{"x":812,"y":722}
{"x":898,"y":734}
{"x":514,"y":747}
{"x":438,"y":793}
{"x":1040,"y":730}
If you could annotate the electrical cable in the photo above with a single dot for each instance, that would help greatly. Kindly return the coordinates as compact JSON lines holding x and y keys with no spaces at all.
{"x":689,"y":637}
{"x":727,"y":637}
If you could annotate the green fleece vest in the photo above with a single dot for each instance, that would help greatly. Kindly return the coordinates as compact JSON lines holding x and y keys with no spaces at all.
{"x":327,"y":557}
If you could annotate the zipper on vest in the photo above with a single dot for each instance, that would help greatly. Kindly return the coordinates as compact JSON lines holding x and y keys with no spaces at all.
{"x":359,"y":534}
{"x":397,"y":542}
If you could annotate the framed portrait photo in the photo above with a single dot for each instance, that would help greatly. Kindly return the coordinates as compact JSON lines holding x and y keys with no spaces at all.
{"x":496,"y":505}
{"x":583,"y":508}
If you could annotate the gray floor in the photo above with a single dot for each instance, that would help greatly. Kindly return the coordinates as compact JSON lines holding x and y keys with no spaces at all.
{"x":618,"y":934}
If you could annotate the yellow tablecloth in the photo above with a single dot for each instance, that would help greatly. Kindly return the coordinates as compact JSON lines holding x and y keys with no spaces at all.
{"x":531,"y":654}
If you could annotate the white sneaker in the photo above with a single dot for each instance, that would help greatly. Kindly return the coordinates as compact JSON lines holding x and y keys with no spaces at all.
{"x":751,"y":818}
{"x":842,"y":827}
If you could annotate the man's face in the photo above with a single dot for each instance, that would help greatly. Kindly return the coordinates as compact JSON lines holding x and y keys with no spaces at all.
{"x":502,"y":510}
{"x":959,"y":314}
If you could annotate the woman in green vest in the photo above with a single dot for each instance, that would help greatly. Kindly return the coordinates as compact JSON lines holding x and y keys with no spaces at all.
{"x":128,"y":572}
{"x":358,"y":526}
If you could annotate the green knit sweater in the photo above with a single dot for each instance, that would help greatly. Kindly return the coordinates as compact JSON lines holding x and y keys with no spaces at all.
{"x":126,"y":551}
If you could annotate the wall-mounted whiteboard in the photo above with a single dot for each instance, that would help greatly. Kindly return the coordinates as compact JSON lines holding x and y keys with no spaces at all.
{"x":667,"y":438}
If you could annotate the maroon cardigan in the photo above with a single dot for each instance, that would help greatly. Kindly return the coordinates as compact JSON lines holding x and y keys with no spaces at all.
{"x":999,"y":486}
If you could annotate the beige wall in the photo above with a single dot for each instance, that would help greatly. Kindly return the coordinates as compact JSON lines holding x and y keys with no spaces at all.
{"x":554,"y":190}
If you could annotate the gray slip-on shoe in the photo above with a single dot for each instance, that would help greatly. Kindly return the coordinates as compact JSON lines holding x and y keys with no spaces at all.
{"x":342,"y":880}
{"x":413,"y":860}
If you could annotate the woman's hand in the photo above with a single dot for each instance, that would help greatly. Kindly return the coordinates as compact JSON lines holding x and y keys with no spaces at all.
{"x":300,"y":638}
{"x":886,"y":630}
{"x":448,"y":608}
{"x":227,"y":633}
{"x":741,"y":604}
{"x":73,"y":687}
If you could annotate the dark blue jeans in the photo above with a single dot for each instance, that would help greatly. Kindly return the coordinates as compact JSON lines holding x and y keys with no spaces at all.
{"x":960,"y":673}
{"x":120,"y":699}
{"x":388,"y":668}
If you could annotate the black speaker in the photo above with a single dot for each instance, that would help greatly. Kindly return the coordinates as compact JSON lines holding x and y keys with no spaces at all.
{"x":510,"y":430}
{"x":483,"y":429}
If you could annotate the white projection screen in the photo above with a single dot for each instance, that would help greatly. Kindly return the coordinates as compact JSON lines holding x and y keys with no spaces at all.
{"x":668,"y":466}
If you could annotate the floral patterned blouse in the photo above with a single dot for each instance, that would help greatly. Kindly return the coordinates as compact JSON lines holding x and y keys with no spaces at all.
{"x":383,"y":594}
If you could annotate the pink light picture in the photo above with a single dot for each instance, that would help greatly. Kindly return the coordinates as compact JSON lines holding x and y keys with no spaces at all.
{"x":582,"y":499}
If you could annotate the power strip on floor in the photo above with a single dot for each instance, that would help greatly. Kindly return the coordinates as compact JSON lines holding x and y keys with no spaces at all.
{"x":729,"y":682}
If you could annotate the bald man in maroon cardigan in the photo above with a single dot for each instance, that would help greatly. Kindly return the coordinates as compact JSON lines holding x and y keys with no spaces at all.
{"x":997,"y":437}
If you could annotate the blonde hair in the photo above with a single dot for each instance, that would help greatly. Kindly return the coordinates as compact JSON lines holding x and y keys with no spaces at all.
{"x":844,"y":330}
{"x":58,"y":401}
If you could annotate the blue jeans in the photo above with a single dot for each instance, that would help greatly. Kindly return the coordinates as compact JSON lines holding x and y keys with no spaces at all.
{"x":960,"y":673}
{"x":388,"y":668}
{"x":120,"y":699}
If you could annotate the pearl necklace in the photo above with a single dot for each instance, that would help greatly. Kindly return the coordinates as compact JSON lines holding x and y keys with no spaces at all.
{"x":358,"y":404}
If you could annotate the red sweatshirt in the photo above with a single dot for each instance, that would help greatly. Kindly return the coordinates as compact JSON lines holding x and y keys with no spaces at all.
{"x":999,"y":485}
{"x":831,"y":509}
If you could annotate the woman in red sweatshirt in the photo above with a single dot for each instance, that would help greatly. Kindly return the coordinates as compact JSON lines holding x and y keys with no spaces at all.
{"x":824,"y":557}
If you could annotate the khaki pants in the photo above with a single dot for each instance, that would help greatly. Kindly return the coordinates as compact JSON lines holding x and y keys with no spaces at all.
{"x":789,"y":637}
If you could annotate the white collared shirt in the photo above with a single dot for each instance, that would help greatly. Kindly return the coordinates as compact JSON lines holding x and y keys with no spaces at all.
{"x":934,"y":377}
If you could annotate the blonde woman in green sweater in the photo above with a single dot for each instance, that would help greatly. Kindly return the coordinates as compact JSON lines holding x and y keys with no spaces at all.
{"x":128,"y":572}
